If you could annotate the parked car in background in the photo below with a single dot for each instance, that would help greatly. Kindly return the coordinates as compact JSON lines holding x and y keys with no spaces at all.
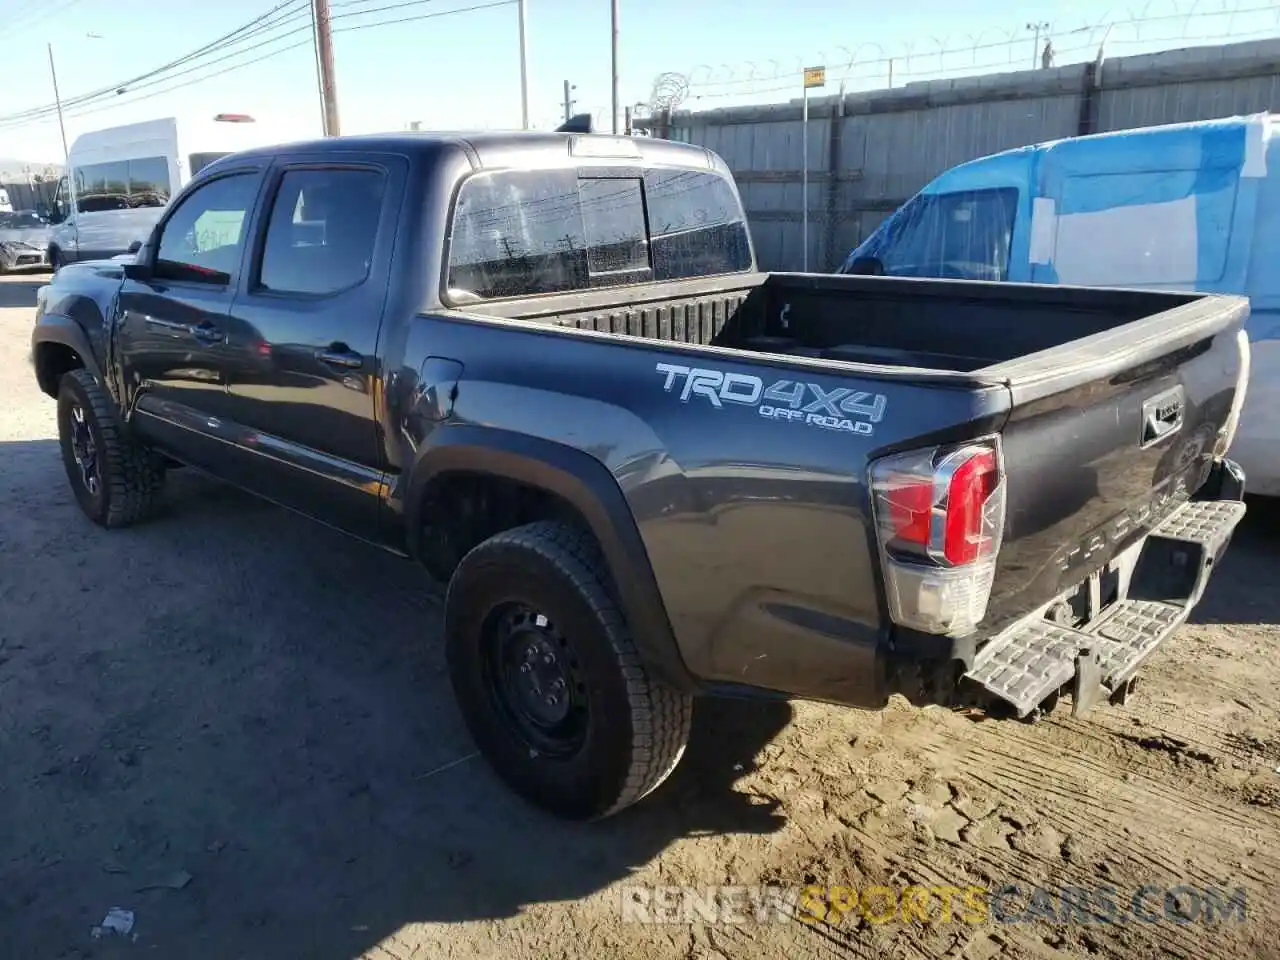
{"x":121,"y":178}
{"x":24,"y":241}
{"x":1190,"y":206}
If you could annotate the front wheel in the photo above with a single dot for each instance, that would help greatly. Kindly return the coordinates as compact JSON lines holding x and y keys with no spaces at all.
{"x":548,"y":679}
{"x":55,"y":259}
{"x":115,"y":479}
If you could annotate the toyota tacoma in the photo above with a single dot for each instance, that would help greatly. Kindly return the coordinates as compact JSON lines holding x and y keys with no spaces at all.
{"x":546,"y":367}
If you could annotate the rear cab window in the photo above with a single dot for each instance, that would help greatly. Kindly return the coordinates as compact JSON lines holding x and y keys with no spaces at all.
{"x":519,"y":233}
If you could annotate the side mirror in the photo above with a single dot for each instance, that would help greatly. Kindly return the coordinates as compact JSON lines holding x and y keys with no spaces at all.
{"x":867,"y":267}
{"x":134,"y":247}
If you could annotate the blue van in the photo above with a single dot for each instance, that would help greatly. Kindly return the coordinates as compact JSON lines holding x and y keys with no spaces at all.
{"x":1184,"y":206}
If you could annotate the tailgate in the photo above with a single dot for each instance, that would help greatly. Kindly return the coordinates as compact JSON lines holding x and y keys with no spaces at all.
{"x":1107,"y":436}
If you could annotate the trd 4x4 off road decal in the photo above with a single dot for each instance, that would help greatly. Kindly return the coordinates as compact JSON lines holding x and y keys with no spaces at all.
{"x":792,"y":401}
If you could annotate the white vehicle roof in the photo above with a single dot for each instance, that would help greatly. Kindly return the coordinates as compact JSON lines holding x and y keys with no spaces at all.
{"x":166,"y":136}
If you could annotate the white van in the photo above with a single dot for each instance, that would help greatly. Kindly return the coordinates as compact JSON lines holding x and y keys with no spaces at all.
{"x":120,"y":179}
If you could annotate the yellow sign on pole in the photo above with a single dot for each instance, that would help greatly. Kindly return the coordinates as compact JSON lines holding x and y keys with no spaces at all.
{"x":815,"y":77}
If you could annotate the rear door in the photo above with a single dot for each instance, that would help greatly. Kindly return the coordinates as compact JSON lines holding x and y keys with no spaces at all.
{"x":304,"y":374}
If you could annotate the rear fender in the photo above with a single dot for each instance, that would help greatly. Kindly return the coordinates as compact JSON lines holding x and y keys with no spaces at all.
{"x":586,"y":485}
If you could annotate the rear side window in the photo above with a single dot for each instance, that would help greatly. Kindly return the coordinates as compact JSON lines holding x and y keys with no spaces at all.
{"x":523,"y":233}
{"x":322,"y":230}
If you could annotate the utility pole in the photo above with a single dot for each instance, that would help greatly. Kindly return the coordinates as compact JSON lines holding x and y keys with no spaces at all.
{"x":62,"y":129}
{"x":324,"y":53}
{"x":568,"y":101}
{"x":57,"y":100}
{"x":1037,"y":28}
{"x":524,"y":65}
{"x":614,"y":48}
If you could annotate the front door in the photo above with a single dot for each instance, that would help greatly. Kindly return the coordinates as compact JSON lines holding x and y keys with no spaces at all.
{"x":305,"y":375}
{"x":174,"y":330}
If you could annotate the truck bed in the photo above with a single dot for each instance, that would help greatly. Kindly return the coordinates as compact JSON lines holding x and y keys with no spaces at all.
{"x":989,"y":329}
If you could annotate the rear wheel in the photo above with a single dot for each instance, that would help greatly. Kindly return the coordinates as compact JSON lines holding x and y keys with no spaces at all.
{"x":116,"y":480}
{"x":55,"y":259}
{"x":548,"y":678}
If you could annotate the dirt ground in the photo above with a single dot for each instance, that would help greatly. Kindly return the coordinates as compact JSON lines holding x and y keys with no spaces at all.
{"x":236,"y":724}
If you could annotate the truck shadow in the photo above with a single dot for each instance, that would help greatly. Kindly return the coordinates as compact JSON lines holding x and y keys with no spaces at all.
{"x":1243,"y":590}
{"x":237,"y":694}
{"x":19,"y":290}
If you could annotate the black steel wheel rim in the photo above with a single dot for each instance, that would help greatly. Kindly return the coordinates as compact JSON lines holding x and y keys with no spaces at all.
{"x":534,"y":680}
{"x":84,"y":450}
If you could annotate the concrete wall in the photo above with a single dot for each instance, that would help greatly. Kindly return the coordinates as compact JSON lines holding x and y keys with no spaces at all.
{"x":869,"y":152}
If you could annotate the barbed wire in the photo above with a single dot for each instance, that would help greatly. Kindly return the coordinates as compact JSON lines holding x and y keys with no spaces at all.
{"x":1157,"y":25}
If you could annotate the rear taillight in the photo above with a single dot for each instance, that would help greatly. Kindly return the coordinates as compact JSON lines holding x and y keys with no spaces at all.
{"x":939,"y":518}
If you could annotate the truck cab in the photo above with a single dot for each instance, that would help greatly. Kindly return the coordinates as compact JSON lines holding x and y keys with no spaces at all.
{"x":1191,"y":206}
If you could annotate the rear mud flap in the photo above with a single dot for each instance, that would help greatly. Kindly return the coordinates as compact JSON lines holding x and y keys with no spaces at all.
{"x":1036,"y":659}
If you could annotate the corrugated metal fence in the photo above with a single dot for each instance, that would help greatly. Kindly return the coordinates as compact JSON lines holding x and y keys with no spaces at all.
{"x":24,"y":195}
{"x":869,"y":152}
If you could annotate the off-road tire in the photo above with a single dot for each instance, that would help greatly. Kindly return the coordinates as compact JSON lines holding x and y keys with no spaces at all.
{"x":637,"y":726}
{"x":131,"y":477}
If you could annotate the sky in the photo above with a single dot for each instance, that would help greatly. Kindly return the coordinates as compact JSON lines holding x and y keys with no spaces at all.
{"x":461,"y":70}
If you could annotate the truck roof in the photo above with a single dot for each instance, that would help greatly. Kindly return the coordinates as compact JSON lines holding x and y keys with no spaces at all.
{"x":511,"y":148}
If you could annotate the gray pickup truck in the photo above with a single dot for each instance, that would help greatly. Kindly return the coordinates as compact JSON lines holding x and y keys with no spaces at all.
{"x":546,"y":367}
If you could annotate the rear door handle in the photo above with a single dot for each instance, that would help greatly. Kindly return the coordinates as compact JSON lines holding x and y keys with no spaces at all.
{"x":336,"y":356}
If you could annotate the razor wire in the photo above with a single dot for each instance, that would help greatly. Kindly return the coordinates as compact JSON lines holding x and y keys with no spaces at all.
{"x":1157,"y":25}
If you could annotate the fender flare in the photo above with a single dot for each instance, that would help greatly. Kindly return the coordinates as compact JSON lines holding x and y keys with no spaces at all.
{"x":65,"y":331}
{"x":585,"y":484}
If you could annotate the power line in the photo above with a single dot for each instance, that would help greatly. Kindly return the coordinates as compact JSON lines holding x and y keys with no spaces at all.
{"x":239,"y":34}
{"x":421,"y":16}
{"x":115,"y":103}
{"x":38,"y":14}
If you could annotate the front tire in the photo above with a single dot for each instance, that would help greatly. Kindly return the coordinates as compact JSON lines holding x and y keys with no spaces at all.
{"x":548,"y":679}
{"x":116,"y":480}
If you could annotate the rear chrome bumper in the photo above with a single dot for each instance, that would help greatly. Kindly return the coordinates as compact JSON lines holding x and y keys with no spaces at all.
{"x":1035,"y":659}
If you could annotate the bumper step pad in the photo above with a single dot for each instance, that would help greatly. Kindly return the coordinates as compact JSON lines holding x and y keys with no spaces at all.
{"x":1032,"y":660}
